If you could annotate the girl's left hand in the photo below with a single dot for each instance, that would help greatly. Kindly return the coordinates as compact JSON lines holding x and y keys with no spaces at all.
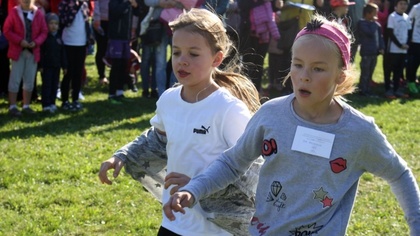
{"x":177,"y":179}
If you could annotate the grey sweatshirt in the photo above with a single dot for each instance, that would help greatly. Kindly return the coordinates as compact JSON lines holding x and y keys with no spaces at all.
{"x":304,"y":194}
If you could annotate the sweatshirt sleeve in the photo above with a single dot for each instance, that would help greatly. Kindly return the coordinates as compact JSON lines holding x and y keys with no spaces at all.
{"x":407,"y":193}
{"x":233,"y":163}
{"x":149,"y":145}
{"x":380,"y":38}
{"x":381,"y":159}
{"x":393,"y":37}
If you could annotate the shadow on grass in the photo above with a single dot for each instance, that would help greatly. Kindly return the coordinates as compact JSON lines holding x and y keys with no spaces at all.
{"x":101,"y":113}
{"x":95,"y":113}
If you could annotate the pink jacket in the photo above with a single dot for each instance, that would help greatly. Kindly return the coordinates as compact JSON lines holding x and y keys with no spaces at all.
{"x":14,"y":30}
{"x":262,"y":23}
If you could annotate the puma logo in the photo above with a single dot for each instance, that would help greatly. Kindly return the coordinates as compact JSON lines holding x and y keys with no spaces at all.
{"x":203,"y":130}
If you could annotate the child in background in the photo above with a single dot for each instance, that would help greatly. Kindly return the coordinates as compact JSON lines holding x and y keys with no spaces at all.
{"x":315,"y":146}
{"x":119,"y":35}
{"x":53,"y":58}
{"x":217,"y":105}
{"x":25,"y":29}
{"x":339,"y":10}
{"x":371,"y":44}
{"x":398,"y":30}
{"x":414,"y":51}
{"x":4,"y":60}
{"x":383,"y":12}
{"x":74,"y":16}
{"x":133,"y":66}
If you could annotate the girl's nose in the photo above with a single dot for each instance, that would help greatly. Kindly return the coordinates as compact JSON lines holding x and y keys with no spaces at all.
{"x":182,"y":60}
{"x":304,"y":76}
{"x":304,"y":79}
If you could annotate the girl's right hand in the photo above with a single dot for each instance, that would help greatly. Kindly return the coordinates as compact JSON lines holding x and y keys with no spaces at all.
{"x":24,"y":44}
{"x":97,"y":27}
{"x":176,"y":203}
{"x":112,"y":163}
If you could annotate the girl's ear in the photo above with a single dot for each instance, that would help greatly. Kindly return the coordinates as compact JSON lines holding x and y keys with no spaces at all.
{"x":218,"y":58}
{"x":341,"y":77}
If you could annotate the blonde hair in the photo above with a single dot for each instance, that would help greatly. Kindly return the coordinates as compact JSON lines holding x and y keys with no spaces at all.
{"x":211,"y":28}
{"x":350,"y":74}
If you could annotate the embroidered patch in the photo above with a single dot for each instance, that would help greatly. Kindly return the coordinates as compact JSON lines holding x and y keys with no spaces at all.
{"x":276,"y":196}
{"x":262,"y":227}
{"x":321,"y":195}
{"x":306,"y":230}
{"x":269,"y":147}
{"x":338,"y":165}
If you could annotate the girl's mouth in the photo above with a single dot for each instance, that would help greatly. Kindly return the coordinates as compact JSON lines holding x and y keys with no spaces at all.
{"x":182,"y":73}
{"x":304,"y":92}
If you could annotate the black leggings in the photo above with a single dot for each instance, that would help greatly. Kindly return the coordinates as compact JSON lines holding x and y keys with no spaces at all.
{"x":101,"y":46}
{"x":413,"y":62}
{"x":117,"y":75}
{"x":165,"y":232}
{"x":76,"y":61}
{"x":394,"y":64}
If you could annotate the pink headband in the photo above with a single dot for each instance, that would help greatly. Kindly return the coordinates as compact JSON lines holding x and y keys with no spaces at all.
{"x":332,"y":33}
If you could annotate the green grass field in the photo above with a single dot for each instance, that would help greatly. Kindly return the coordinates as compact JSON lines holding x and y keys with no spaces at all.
{"x":49,"y":166}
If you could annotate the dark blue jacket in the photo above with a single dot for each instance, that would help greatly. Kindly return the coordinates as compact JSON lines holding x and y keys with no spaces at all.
{"x":53,"y":53}
{"x":369,"y":36}
{"x":120,"y":17}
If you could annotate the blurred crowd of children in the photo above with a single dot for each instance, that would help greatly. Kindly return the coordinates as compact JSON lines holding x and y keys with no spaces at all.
{"x":55,"y":36}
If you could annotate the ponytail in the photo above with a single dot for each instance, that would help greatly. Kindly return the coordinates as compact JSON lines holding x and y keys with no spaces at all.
{"x":240,"y":87}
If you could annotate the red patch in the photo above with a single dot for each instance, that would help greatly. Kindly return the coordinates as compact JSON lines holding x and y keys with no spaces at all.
{"x":327,"y":202}
{"x":338,"y":165}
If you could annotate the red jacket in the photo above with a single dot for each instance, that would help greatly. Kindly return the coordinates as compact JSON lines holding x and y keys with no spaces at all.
{"x":14,"y":30}
{"x":54,"y":6}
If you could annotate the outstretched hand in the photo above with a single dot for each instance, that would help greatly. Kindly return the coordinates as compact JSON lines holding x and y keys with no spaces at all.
{"x":112,"y":163}
{"x":176,"y":203}
{"x":177,"y":179}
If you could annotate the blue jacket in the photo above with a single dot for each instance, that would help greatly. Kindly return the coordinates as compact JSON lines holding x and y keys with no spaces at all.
{"x":53,"y":53}
{"x":369,"y":36}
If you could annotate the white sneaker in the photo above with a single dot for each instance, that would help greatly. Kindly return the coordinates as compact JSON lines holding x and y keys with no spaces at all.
{"x":81,"y":97}
{"x":54,"y":108}
{"x":58,"y":93}
{"x":48,"y":109}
